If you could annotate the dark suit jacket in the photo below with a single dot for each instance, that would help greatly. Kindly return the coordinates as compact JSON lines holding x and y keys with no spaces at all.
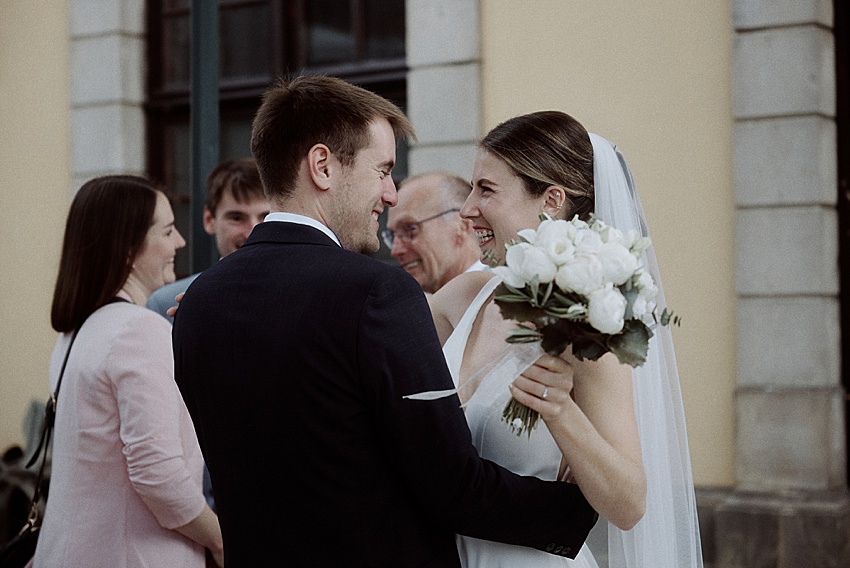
{"x":293,"y":356}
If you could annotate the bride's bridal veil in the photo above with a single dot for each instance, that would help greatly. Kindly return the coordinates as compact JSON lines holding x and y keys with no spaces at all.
{"x":668,"y":534}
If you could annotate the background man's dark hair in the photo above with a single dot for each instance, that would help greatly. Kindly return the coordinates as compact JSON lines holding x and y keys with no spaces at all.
{"x":240,"y":177}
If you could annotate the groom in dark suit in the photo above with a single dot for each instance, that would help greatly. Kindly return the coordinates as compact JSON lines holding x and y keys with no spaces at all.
{"x":294,"y":355}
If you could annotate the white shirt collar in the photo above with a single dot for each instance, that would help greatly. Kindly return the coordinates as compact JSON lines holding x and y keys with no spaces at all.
{"x":301,"y":220}
{"x":477,"y":265}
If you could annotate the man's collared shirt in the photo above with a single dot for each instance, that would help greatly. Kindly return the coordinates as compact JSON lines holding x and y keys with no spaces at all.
{"x":301,"y":220}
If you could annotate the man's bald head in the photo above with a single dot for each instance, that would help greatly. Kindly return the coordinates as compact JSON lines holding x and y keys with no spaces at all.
{"x":441,"y":247}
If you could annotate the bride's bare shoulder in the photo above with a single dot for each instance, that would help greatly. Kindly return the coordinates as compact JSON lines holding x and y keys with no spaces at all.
{"x":451,"y":300}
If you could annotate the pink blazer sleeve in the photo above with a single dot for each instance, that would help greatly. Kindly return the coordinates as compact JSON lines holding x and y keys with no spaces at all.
{"x":159,"y":441}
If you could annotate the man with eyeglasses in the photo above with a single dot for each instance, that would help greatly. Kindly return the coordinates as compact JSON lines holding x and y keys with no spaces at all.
{"x":426,"y":234}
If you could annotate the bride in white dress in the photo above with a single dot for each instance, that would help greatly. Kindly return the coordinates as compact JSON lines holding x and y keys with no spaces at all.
{"x":616,"y":423}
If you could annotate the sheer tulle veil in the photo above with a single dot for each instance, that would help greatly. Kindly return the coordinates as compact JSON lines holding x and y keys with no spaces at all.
{"x":668,"y":534}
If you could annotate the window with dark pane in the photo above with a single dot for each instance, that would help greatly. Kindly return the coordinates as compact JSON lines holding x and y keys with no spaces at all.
{"x":384,"y":29}
{"x":330,"y":32}
{"x":361,"y":41}
{"x":245,"y":41}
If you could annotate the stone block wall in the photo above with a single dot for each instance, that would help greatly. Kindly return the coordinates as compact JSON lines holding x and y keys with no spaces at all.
{"x":790,"y":505}
{"x":444,"y":84}
{"x":107,"y":88}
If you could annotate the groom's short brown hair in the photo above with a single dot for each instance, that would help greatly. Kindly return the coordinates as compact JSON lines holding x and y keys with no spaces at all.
{"x":298,"y":114}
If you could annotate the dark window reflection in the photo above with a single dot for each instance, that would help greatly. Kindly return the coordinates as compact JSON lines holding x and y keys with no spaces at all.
{"x":175,"y":52}
{"x":235,"y":137}
{"x":330,"y":36}
{"x":178,"y":145}
{"x":174,"y":4}
{"x":245,"y":42}
{"x":384,"y":22}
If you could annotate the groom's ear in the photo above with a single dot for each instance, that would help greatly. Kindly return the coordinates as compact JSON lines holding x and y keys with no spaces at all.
{"x":320,"y":166}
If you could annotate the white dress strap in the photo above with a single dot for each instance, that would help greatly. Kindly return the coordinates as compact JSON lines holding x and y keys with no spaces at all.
{"x":456,"y":343}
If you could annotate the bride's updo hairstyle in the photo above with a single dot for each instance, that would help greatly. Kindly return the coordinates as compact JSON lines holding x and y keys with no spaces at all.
{"x":548,"y":148}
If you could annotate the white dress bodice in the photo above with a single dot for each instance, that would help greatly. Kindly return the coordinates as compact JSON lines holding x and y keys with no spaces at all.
{"x":537,"y":455}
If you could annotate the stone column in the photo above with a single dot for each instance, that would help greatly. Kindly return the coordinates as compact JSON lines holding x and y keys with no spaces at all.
{"x":443,"y":84}
{"x":107,"y":88}
{"x":790,"y":505}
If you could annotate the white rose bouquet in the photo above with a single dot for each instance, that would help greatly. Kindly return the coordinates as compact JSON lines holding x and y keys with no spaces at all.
{"x":579,"y":284}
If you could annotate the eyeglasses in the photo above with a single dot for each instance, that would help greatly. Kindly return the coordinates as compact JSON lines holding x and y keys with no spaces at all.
{"x":409,"y":230}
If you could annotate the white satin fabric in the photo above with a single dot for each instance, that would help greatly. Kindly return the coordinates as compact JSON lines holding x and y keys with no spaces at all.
{"x":668,"y":535}
{"x":538,"y":456}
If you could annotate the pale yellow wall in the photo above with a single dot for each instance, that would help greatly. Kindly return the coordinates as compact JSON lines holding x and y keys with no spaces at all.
{"x":655,"y":78}
{"x":34,"y":195}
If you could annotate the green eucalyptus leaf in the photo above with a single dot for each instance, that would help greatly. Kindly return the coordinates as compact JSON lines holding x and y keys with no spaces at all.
{"x":510,"y":298}
{"x":631,"y":345}
{"x":567,"y":299}
{"x":534,"y":287}
{"x":631,"y":295}
{"x":547,"y":293}
{"x":507,"y":289}
{"x":519,"y":311}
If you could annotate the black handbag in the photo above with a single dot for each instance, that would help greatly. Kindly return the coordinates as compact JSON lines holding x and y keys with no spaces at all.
{"x":21,"y":548}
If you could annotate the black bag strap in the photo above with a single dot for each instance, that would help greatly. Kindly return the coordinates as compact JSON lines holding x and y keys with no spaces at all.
{"x":47,"y":431}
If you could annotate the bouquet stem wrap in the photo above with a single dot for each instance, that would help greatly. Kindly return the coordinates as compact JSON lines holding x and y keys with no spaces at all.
{"x":519,"y":357}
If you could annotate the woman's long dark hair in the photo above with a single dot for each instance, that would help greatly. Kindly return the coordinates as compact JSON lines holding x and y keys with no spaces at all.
{"x":106,"y":228}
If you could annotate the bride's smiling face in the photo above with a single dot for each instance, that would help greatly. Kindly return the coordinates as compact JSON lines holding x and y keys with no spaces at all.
{"x":498,"y":206}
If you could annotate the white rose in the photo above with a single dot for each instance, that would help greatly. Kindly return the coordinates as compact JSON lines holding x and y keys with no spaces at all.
{"x":640,"y":245}
{"x":611,"y":234}
{"x":618,"y":264}
{"x":631,"y":238}
{"x":581,"y":274}
{"x":560,"y":250}
{"x":639,"y":308}
{"x":647,"y":295}
{"x":556,"y":238}
{"x":646,"y":287}
{"x":514,"y":255}
{"x":555,"y":229}
{"x":578,"y":223}
{"x":606,"y":309}
{"x":587,"y":241}
{"x":536,"y":264}
{"x":644,"y":280}
{"x":509,"y":277}
{"x":528,"y":235}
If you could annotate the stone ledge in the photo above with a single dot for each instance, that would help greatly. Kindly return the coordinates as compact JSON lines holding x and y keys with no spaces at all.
{"x":794,"y":529}
{"x":708,"y":500}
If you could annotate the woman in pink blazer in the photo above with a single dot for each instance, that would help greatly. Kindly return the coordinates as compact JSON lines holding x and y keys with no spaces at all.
{"x":125,"y":488}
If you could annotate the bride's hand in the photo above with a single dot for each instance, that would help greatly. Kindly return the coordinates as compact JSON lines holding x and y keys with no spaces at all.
{"x":546,"y":386}
{"x":173,"y":309}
